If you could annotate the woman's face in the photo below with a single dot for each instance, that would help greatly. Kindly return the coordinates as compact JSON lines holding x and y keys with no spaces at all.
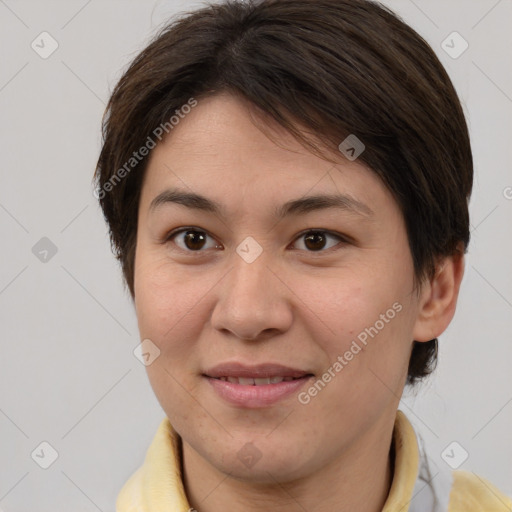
{"x":250,"y":291}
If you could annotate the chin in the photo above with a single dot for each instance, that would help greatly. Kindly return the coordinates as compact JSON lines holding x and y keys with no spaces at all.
{"x":264,"y":472}
{"x":259,"y":459}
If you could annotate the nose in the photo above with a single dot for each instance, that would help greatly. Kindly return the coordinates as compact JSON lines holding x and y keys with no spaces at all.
{"x":253,"y":301}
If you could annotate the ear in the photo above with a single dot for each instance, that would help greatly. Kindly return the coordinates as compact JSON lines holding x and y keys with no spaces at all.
{"x":438,"y":298}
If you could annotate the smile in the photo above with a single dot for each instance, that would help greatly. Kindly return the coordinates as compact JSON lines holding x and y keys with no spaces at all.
{"x":247,"y":381}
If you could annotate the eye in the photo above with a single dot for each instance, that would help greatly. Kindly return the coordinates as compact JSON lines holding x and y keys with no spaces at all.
{"x":192,"y":240}
{"x":317,"y":240}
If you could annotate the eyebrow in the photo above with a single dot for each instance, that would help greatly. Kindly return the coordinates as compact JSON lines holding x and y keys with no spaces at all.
{"x":299,"y":206}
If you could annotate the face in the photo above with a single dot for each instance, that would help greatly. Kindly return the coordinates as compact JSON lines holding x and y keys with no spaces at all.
{"x":320,"y":292}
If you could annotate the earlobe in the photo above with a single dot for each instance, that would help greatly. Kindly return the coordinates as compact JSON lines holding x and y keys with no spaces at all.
{"x":438,"y":298}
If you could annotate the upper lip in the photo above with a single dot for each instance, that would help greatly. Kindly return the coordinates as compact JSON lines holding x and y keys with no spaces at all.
{"x":235,"y":369}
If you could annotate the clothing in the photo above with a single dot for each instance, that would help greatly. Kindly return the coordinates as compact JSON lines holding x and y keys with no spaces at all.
{"x":417,"y":487}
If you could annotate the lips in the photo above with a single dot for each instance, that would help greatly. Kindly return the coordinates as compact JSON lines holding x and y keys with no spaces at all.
{"x":255,"y":386}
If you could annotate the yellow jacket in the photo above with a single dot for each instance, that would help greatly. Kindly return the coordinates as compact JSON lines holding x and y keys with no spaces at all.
{"x":157,"y":485}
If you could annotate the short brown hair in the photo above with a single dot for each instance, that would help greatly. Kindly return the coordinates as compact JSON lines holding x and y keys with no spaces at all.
{"x":336,"y":67}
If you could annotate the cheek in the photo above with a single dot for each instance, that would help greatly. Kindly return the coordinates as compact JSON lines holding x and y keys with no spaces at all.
{"x":347,"y":304}
{"x":170,"y":313}
{"x":366,"y":348}
{"x":164,"y":295}
{"x":367,"y":320}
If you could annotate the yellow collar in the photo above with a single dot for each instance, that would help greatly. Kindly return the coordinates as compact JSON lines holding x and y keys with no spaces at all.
{"x":406,"y":465}
{"x":157,"y":485}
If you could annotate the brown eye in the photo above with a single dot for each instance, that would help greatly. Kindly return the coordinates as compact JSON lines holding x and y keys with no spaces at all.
{"x":315,"y":241}
{"x":194,"y":240}
{"x":191,"y":240}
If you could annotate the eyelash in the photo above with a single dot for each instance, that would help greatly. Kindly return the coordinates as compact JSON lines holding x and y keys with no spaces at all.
{"x":342,"y":239}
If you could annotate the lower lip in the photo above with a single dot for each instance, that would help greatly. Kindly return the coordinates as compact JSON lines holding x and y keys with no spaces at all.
{"x":256,"y":396}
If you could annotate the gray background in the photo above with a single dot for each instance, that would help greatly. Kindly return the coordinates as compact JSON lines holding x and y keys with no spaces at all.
{"x":68,"y":375}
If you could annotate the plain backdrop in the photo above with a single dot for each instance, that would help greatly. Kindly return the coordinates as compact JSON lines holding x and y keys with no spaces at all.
{"x":68,"y":375}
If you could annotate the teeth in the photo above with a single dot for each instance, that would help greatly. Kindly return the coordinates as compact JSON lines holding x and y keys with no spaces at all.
{"x":262,"y":382}
{"x":247,"y":381}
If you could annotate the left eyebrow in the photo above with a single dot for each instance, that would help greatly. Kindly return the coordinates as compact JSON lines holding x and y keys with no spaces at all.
{"x":300,"y":206}
{"x":321,"y":202}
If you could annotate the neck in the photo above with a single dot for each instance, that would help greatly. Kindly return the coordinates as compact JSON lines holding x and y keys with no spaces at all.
{"x":359,"y":479}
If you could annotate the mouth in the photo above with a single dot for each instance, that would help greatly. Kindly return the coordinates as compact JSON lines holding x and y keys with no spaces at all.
{"x":255,"y":386}
{"x":254,"y":381}
{"x":262,"y":371}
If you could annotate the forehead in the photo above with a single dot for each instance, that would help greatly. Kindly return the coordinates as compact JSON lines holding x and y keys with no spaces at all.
{"x":219,"y":151}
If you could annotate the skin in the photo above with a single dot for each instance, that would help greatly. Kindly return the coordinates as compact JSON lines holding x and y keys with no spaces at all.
{"x":292,"y":305}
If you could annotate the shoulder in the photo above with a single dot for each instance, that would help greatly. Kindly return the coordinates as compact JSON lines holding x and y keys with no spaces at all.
{"x":128,"y":499}
{"x":472,"y":493}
